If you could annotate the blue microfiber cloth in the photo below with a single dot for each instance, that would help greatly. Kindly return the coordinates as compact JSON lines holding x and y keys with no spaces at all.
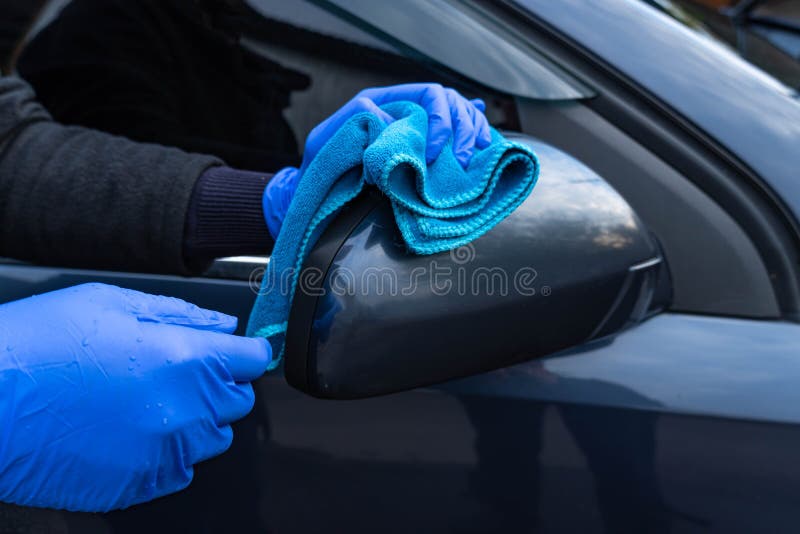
{"x":437,"y":207}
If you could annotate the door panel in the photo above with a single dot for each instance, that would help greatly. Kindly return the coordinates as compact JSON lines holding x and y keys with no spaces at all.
{"x":682,"y":424}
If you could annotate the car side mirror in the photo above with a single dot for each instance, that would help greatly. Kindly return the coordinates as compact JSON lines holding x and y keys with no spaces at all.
{"x":571,"y":264}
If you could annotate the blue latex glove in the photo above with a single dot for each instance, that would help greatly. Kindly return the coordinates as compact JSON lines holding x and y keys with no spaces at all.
{"x":449,"y":114}
{"x":109,"y":396}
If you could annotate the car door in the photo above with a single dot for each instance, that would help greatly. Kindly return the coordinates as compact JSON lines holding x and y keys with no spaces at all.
{"x":685,"y":422}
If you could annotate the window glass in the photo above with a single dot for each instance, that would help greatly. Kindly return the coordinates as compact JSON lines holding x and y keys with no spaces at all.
{"x":468,"y":41}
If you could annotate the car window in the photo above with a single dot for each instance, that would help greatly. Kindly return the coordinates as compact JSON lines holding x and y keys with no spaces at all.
{"x":454,"y":35}
{"x":341,"y":58}
{"x":304,"y":14}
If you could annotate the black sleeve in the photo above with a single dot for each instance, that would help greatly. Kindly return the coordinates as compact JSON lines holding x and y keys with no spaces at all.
{"x":76,"y":197}
{"x":128,"y":68}
{"x":225,"y":216}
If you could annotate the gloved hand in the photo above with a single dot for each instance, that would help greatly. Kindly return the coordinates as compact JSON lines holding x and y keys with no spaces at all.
{"x":109,"y":396}
{"x":449,"y":113}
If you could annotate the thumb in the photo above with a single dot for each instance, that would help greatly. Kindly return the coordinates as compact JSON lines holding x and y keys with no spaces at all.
{"x":245,"y":358}
{"x":174,"y":311}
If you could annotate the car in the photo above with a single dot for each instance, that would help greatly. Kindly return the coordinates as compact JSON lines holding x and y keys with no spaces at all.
{"x":657,"y":388}
{"x":765,"y":32}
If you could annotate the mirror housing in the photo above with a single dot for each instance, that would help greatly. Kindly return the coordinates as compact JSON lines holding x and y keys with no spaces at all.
{"x":571,"y":264}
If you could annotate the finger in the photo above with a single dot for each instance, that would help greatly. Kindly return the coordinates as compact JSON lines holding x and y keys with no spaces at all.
{"x":245,"y":358}
{"x":278,"y":197}
{"x":230,"y":394}
{"x":359,"y":104}
{"x":230,"y":358}
{"x":395,"y":93}
{"x":174,"y":311}
{"x":463,"y":129}
{"x":432,"y":97}
{"x":233,"y":403}
{"x":328,"y":128}
{"x":484,"y":131}
{"x":218,"y":441}
{"x":169,"y":479}
{"x":479,"y":103}
{"x":173,"y":461}
{"x":418,"y":93}
{"x":200,"y":442}
{"x":362,"y":104}
{"x":440,"y":126}
{"x":484,"y":135}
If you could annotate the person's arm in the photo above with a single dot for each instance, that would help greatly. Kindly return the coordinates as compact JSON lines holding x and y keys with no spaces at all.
{"x":78,"y":197}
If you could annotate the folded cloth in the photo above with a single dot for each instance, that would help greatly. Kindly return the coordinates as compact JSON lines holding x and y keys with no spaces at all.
{"x":437,"y":207}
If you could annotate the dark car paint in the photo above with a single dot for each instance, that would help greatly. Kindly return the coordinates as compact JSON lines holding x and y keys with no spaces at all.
{"x":681,"y":424}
